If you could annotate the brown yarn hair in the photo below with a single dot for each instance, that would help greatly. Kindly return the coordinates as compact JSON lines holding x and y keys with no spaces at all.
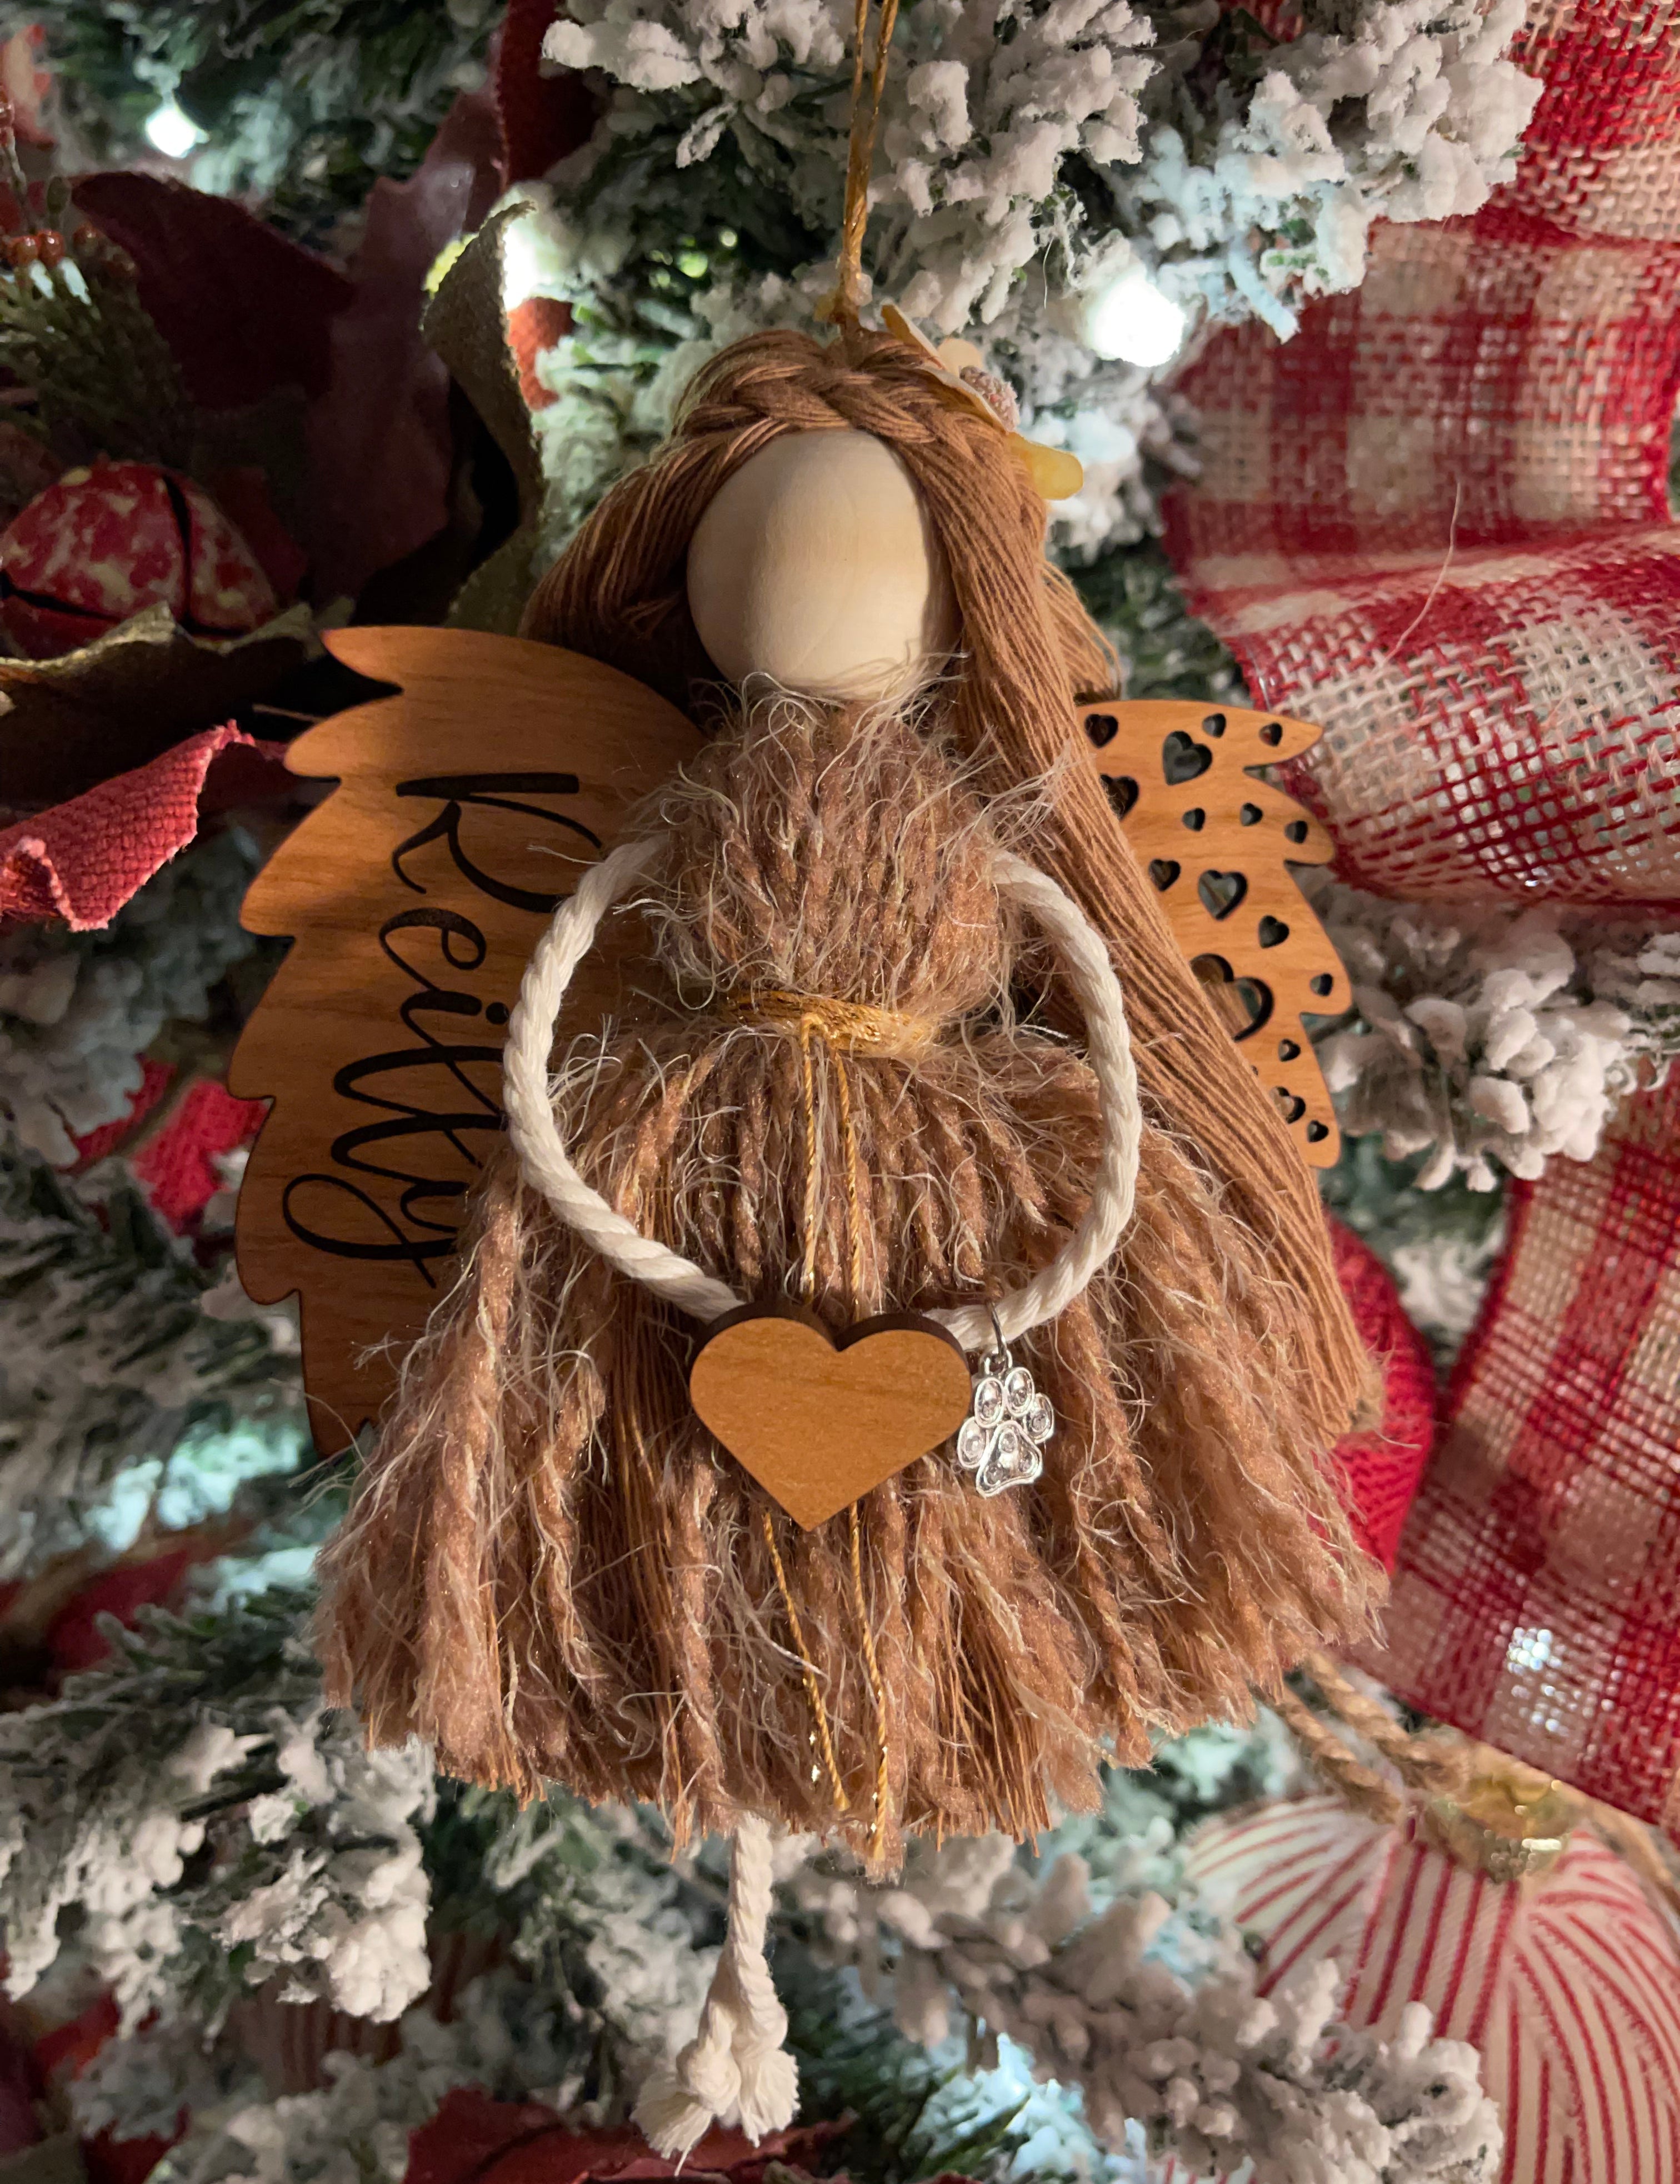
{"x":551,"y":1570}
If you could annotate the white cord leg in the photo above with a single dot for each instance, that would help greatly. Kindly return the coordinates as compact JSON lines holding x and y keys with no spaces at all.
{"x":735,"y":2066}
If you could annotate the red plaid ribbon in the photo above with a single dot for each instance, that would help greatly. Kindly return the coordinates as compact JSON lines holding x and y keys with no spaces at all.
{"x":1535,"y":1603}
{"x":1503,"y":721}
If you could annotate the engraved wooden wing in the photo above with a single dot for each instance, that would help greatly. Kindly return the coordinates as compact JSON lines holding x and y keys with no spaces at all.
{"x":467,"y":803}
{"x":1218,"y":843}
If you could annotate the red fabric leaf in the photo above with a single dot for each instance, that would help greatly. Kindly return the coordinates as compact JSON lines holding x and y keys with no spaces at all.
{"x":74,"y":1637}
{"x":533,"y":325}
{"x":243,"y":309}
{"x":542,"y":117}
{"x":176,"y":1168}
{"x":381,"y":447}
{"x":474,"y":2140}
{"x":72,"y":2045}
{"x":108,"y":2160}
{"x":155,"y":1080}
{"x":1381,"y":1469}
{"x":82,"y":861}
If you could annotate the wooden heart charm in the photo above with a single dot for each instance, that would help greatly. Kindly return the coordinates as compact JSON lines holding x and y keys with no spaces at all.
{"x":817,"y":1419}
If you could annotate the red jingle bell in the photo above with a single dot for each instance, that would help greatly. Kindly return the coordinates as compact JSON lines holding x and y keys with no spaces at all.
{"x":109,"y":540}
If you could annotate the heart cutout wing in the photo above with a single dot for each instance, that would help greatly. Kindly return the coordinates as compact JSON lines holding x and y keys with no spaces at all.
{"x":1218,"y":840}
{"x":818,"y":1421}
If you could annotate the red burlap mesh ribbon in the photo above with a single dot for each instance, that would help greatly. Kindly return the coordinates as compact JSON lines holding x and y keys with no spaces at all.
{"x":1537,"y":1600}
{"x":1380,"y":1467}
{"x":1504,"y":722}
{"x":1505,"y":383}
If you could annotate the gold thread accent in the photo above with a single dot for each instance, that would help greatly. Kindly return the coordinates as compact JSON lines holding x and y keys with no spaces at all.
{"x":811,"y":1025}
{"x":807,"y":1079}
{"x":854,"y":1219}
{"x":877,"y":1684}
{"x":842,"y":1024}
{"x":807,"y":1667}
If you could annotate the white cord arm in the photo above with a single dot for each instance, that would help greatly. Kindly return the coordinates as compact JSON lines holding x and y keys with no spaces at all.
{"x":530,"y":1113}
{"x":543,"y":1157}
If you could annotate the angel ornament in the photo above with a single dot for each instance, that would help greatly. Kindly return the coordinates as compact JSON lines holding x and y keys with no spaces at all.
{"x":909,"y":1164}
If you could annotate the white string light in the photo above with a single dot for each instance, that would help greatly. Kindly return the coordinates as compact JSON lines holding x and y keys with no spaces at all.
{"x":1130,"y":319}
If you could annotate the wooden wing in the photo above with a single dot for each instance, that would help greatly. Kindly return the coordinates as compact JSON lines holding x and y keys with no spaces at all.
{"x":1218,"y":843}
{"x":467,"y":803}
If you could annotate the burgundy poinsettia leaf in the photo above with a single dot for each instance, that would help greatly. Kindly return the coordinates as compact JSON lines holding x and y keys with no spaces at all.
{"x":19,"y":2121}
{"x":543,"y":117}
{"x":27,"y":467}
{"x":242,"y":309}
{"x":474,"y":2140}
{"x":381,"y":444}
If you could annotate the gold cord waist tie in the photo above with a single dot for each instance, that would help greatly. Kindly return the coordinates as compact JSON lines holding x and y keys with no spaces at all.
{"x":842,"y":1024}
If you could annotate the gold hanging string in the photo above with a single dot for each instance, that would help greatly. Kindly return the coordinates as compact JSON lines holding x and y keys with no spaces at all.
{"x":809,"y":1029}
{"x":841,"y":308}
{"x":808,"y":1032}
{"x":842,"y":1024}
{"x":877,"y":1684}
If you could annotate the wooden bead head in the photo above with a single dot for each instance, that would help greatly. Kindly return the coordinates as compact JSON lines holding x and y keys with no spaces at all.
{"x":816,"y":565}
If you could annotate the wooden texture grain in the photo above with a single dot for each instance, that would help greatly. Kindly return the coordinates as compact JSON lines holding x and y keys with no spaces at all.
{"x":820,"y":1420}
{"x":1218,"y":842}
{"x":467,"y":803}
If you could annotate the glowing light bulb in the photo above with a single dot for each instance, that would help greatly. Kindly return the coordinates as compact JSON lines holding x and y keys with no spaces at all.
{"x":172,"y":132}
{"x":1133,"y":321}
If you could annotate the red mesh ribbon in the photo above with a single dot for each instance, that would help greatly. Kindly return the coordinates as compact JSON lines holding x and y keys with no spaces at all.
{"x":1537,"y":1600}
{"x":1509,"y":727}
{"x":1381,"y":1469}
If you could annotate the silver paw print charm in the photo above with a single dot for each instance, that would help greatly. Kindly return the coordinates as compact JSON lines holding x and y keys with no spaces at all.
{"x":1007,"y":1426}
